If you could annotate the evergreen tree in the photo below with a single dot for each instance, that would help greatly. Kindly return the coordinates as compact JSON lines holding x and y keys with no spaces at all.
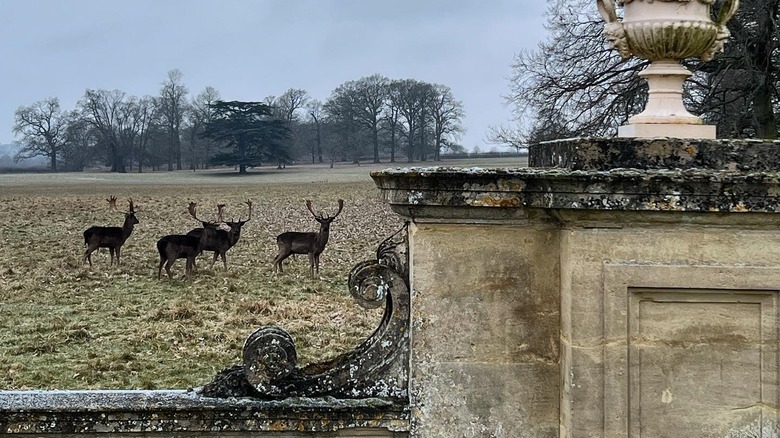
{"x":247,"y":133}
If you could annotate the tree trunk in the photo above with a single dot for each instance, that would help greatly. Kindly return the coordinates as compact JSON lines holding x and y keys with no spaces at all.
{"x":376,"y":145}
{"x":410,"y":146}
{"x":392,"y":144}
{"x":766,"y":127}
{"x":178,"y":155}
{"x":319,"y":144}
{"x":762,"y":56}
{"x":242,"y":168}
{"x":119,"y":164}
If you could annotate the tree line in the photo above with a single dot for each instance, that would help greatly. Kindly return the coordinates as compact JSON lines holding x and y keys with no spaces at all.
{"x":574,"y":84}
{"x":373,"y":117}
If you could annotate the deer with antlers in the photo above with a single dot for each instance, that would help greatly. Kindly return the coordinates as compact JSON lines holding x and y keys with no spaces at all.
{"x":311,"y":243}
{"x":110,"y":237}
{"x":221,"y":241}
{"x":181,"y":246}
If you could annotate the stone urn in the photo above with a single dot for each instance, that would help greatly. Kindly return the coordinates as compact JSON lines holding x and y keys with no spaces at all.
{"x":665,"y":32}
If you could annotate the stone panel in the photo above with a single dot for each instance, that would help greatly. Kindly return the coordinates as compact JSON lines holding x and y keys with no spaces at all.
{"x":485,"y":331}
{"x":689,"y":346}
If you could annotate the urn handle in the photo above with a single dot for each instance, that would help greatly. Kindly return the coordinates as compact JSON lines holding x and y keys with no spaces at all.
{"x":607,"y":10}
{"x":727,"y":10}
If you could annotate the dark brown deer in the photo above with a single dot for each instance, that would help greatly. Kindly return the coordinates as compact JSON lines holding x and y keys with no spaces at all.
{"x":293,"y":242}
{"x":110,"y":237}
{"x":180,"y":246}
{"x":221,"y":241}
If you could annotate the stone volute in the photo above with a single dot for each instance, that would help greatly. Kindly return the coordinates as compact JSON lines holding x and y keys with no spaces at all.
{"x":665,"y":32}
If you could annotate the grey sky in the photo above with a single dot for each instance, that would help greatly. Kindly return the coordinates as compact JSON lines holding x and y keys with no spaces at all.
{"x":248,"y":50}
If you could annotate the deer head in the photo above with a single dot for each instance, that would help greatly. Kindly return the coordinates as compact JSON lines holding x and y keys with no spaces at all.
{"x":130,"y":213}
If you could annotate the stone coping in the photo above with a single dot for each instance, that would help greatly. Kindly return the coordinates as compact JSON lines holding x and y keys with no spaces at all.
{"x":505,"y":193}
{"x":749,"y":155}
{"x":89,"y":412}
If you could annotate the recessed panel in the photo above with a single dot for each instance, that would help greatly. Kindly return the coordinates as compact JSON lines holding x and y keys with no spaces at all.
{"x":696,"y":362}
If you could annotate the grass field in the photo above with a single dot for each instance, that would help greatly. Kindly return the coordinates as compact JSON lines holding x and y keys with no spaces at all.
{"x":67,"y":326}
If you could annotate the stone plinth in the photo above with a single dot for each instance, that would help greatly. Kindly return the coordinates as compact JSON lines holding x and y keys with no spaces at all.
{"x":611,"y":302}
{"x":654,"y":130}
{"x":657,"y":153}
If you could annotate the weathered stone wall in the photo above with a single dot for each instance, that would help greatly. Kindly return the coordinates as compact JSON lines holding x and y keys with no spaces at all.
{"x":668,"y":290}
{"x":485,"y":331}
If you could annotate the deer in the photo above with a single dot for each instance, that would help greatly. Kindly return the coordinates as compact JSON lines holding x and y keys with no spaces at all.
{"x":182,"y":246}
{"x":110,"y":237}
{"x":311,"y":243}
{"x":221,"y":241}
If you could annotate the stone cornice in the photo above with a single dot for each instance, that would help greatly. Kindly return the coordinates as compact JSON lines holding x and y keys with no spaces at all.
{"x":492,"y":194}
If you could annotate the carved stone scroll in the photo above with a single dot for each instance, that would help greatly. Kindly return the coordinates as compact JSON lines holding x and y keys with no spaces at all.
{"x":378,"y":367}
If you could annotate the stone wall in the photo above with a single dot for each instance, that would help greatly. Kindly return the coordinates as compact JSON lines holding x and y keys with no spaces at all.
{"x":485,"y":324}
{"x":593,"y":303}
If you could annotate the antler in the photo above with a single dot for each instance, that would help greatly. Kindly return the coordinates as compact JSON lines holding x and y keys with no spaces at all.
{"x":308,"y":205}
{"x":249,"y":204}
{"x":111,"y":202}
{"x":317,"y":216}
{"x":132,"y":208}
{"x":341,"y":206}
{"x":191,"y":210}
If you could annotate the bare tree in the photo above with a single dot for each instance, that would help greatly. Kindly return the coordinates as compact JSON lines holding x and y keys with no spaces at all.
{"x":411,"y":97}
{"x":173,"y":103}
{"x":42,"y":130}
{"x":286,"y":108}
{"x":341,"y":112}
{"x":739,"y":90}
{"x":199,"y":114}
{"x":146,"y":117}
{"x":103,"y":110}
{"x":392,"y":117}
{"x":371,"y":95}
{"x":315,"y":114}
{"x":80,"y":145}
{"x":291,"y":101}
{"x":446,"y":113}
{"x":574,"y":79}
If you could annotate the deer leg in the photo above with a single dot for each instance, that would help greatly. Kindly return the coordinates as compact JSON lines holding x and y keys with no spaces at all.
{"x":278,"y":261}
{"x":214,"y":260}
{"x":117,"y":254}
{"x":312,"y":257}
{"x":111,"y":251}
{"x":159,"y":268}
{"x":168,"y":265}
{"x":317,"y":263}
{"x":88,"y":254}
{"x":188,"y":266}
{"x":224,"y":259}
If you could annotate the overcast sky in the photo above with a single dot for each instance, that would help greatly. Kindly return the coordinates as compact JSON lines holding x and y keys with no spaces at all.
{"x":251,"y":49}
